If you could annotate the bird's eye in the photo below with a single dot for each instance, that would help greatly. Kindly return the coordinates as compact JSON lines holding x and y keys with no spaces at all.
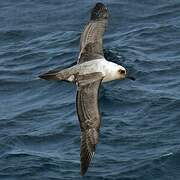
{"x":122,"y":71}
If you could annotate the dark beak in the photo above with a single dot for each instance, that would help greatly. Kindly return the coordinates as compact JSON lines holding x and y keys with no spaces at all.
{"x":130,"y":77}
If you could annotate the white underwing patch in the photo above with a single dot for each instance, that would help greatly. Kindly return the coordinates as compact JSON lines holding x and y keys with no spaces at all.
{"x":71,"y":78}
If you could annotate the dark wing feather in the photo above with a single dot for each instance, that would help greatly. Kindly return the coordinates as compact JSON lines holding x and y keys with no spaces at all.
{"x":89,"y":117}
{"x":91,"y":41}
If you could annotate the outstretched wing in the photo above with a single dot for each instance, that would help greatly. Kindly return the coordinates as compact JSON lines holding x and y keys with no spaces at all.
{"x":92,"y":38}
{"x":88,"y":114}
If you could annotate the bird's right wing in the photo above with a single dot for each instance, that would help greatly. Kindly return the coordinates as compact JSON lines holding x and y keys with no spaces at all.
{"x":92,"y":36}
{"x":88,"y":114}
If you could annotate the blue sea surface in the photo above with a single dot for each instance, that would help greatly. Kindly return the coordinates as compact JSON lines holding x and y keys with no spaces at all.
{"x":39,"y":128}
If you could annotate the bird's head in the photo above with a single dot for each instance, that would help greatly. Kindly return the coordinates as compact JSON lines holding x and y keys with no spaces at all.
{"x":123,"y":73}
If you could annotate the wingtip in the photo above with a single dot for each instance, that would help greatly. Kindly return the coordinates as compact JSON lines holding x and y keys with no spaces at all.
{"x":100,"y":4}
{"x":99,"y":12}
{"x":82,"y":170}
{"x":85,"y":165}
{"x":82,"y":173}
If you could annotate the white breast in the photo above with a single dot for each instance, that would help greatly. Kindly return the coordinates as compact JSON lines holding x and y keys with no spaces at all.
{"x":111,"y":71}
{"x":107,"y":68}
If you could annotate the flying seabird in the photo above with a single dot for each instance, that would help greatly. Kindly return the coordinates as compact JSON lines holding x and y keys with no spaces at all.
{"x":90,"y":71}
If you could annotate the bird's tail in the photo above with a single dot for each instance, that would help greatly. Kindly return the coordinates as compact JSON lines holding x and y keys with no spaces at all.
{"x":64,"y":75}
{"x":50,"y":76}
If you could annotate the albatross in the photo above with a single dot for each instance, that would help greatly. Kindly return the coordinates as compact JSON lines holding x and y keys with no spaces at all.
{"x":91,"y":70}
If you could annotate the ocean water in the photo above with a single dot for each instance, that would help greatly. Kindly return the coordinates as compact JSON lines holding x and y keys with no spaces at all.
{"x":39,"y":129}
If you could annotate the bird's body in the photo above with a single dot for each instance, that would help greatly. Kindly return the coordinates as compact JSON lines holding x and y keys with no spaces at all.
{"x":91,"y":69}
{"x":108,"y":69}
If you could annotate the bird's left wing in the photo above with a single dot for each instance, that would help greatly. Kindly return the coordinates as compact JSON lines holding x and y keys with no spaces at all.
{"x":88,"y":114}
{"x":92,"y":37}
